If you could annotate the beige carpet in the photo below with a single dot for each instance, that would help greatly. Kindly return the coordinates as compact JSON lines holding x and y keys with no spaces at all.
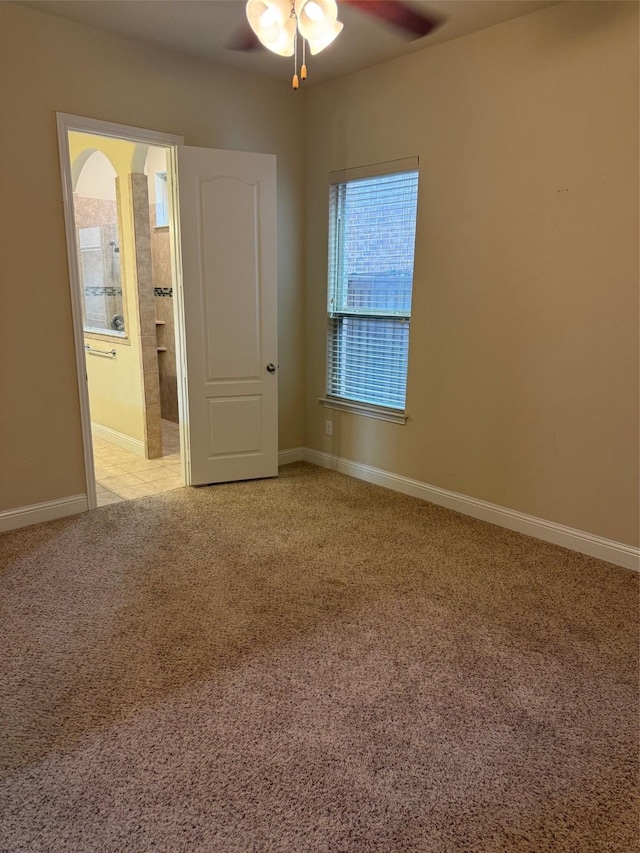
{"x":313,"y":665}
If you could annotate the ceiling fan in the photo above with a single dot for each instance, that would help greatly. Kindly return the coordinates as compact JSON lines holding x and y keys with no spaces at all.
{"x":415,"y":25}
{"x":280,"y":25}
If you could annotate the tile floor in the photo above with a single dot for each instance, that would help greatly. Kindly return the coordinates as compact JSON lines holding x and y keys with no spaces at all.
{"x":123,"y":476}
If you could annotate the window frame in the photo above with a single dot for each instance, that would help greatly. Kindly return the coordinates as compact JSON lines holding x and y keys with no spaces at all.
{"x":334,"y":274}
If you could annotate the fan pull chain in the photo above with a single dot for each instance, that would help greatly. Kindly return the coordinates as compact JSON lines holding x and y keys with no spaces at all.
{"x":295,"y":82}
{"x":303,"y":70}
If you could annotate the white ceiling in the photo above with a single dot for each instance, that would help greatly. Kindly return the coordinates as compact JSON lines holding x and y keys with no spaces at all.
{"x":205,"y":28}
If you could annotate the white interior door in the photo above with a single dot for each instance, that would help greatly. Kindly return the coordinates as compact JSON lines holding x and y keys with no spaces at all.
{"x":227,"y":214}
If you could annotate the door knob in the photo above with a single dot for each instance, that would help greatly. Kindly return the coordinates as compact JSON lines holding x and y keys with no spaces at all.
{"x":271,"y":368}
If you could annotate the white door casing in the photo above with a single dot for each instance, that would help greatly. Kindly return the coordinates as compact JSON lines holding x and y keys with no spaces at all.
{"x":228,"y":245}
{"x":66,"y":123}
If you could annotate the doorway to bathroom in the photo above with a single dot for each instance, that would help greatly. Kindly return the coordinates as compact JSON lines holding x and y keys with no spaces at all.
{"x":121,"y":233}
{"x":224,"y":283}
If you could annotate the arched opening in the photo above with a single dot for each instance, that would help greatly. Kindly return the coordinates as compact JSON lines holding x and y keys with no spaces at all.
{"x":98,"y":241}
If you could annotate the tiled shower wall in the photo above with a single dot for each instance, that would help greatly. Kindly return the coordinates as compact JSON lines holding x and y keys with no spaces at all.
{"x":163,"y":290}
{"x":92,"y":212}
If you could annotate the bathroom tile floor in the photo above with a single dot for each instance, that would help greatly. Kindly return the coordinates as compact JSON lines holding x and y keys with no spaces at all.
{"x":123,"y":476}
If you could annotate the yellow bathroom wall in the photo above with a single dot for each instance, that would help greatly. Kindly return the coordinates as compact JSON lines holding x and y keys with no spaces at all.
{"x":115,"y":384}
{"x":115,"y":390}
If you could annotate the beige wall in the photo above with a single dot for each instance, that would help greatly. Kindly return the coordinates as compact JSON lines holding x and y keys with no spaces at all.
{"x":48,"y":65}
{"x":523,"y":375}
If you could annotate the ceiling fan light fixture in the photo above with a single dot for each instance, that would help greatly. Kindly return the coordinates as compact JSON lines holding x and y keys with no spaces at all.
{"x":268,"y":18}
{"x":277,"y":24}
{"x":272,"y":23}
{"x":314,"y":10}
{"x":284,"y":44}
{"x":317,"y":19}
{"x":319,"y":43}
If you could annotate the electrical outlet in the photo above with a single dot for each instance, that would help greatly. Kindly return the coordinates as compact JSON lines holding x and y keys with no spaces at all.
{"x":328,"y":427}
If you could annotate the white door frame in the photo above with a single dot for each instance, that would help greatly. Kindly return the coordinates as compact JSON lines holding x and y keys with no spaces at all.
{"x":67,"y":122}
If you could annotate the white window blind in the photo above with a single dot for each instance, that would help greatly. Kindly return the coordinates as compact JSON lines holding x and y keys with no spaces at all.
{"x":372,"y":227}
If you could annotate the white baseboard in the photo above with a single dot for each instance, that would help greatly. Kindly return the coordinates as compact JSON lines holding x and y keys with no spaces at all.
{"x":576,"y":540}
{"x":23,"y":516}
{"x":296,"y":454}
{"x":133,"y":445}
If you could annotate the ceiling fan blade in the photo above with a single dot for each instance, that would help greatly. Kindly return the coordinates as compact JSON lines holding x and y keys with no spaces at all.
{"x":400,"y":15}
{"x":244,"y":39}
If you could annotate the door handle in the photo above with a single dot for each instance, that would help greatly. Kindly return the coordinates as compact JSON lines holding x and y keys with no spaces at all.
{"x":271,"y":368}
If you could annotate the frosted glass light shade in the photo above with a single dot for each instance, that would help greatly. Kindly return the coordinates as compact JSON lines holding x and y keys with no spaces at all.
{"x":317,"y":22}
{"x":318,"y":44}
{"x":272,"y":22}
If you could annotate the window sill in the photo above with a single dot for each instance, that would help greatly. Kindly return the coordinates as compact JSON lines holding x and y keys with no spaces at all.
{"x":378,"y":412}
{"x":106,"y":337}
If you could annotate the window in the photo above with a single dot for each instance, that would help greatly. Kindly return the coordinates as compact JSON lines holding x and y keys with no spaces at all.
{"x":162,"y":200}
{"x":372,"y":225}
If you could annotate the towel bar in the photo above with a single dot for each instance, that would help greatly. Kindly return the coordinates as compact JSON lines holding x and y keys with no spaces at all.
{"x":111,"y":353}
